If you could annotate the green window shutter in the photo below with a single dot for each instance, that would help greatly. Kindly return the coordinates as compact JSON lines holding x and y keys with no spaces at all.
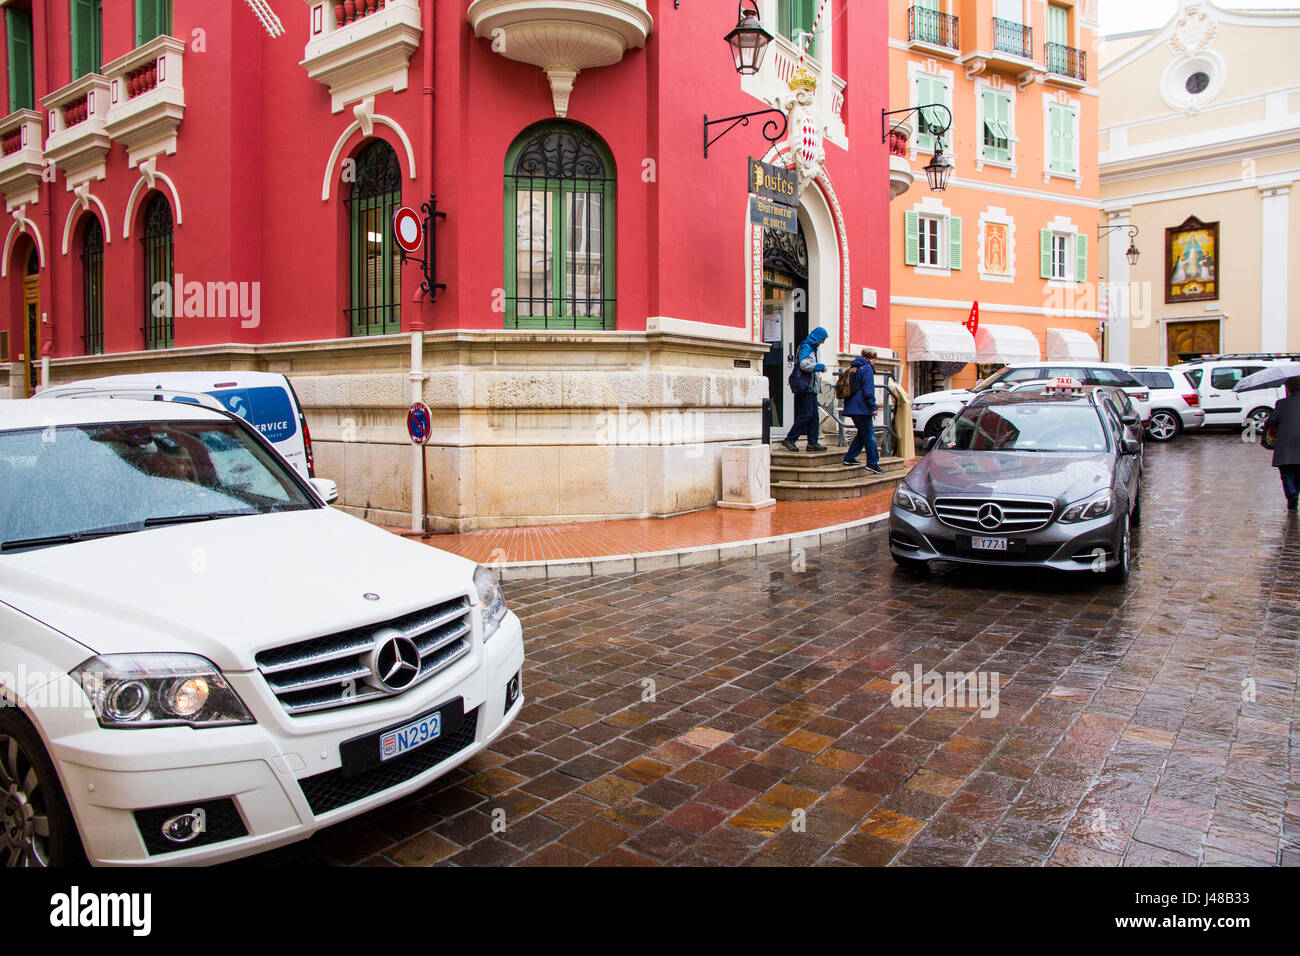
{"x":990,"y":114}
{"x":85,"y":37}
{"x":1007,"y":119}
{"x":1069,"y":154}
{"x":1045,"y":253}
{"x":924,"y":141}
{"x":1054,"y":135}
{"x":153,"y":18}
{"x":22,"y":87}
{"x":954,"y":242}
{"x":1080,"y":258}
{"x":1058,"y":25}
{"x":911,"y":238}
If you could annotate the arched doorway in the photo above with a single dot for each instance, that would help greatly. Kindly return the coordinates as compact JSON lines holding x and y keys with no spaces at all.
{"x":785,"y":315}
{"x":31,"y":321}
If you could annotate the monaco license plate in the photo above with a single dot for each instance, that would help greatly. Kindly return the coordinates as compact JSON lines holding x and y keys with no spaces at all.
{"x":978,"y":543}
{"x":394,"y":743}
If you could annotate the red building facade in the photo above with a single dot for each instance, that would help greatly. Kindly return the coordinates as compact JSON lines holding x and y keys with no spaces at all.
{"x":594,"y":260}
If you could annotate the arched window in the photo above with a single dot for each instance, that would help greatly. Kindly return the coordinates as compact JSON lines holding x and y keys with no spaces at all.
{"x":559,"y":228}
{"x":92,"y":286}
{"x":376,"y":259}
{"x":158,"y":273}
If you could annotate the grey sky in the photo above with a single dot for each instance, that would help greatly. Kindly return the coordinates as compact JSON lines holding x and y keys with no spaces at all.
{"x":1121,"y":16}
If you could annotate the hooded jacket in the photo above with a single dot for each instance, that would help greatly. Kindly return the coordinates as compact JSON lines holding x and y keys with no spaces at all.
{"x":807,"y":359}
{"x":1286,"y":418}
{"x":863,"y":401}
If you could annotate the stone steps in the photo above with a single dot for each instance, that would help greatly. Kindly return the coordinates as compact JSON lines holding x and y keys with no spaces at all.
{"x":820,"y":476}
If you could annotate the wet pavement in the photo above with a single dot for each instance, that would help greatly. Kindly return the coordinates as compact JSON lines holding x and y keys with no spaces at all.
{"x":746,"y":713}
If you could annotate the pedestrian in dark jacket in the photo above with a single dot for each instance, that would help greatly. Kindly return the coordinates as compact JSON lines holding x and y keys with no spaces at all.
{"x":1285,"y":419}
{"x":861,"y":407}
{"x":805,"y":398}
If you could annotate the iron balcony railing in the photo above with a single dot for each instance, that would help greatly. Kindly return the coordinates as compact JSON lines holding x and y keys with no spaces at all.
{"x":1067,"y":61}
{"x":931,"y":26}
{"x":1013,"y":38}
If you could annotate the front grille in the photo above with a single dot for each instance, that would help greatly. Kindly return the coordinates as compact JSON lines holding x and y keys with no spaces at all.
{"x":1018,"y":515}
{"x":331,"y":790}
{"x":334,"y":671}
{"x":221,"y":822}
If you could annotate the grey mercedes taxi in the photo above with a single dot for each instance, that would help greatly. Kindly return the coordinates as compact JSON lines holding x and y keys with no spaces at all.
{"x":1048,"y":479}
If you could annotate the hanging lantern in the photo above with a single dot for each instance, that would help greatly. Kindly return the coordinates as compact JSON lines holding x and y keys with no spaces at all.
{"x":749,"y":40}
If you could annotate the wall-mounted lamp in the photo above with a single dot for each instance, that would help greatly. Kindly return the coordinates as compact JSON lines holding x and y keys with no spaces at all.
{"x":1132,"y":253}
{"x":749,"y":42}
{"x":938,"y":170}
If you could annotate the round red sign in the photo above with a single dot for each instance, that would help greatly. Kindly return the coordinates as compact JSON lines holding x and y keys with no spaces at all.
{"x":407,"y":229}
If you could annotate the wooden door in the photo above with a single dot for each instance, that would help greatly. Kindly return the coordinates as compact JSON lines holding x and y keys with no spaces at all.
{"x":1190,"y":340}
{"x":31,"y":333}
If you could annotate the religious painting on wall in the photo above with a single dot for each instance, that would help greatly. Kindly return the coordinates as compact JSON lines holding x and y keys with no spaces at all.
{"x":996,"y":260}
{"x":1192,"y":261}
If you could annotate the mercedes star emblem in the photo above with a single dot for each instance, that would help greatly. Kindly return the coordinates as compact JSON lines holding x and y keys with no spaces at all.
{"x":395,"y":661}
{"x":989,"y":516}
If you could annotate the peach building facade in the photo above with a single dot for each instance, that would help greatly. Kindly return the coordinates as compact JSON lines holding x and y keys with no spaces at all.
{"x":1016,"y":229}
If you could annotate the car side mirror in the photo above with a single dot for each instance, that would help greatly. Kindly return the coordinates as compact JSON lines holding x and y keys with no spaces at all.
{"x":327,"y":489}
{"x":1130,"y":446}
{"x":931,"y":442}
{"x":1132,"y":420}
{"x":999,"y":387}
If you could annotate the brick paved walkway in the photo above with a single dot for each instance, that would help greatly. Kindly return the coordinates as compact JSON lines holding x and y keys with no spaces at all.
{"x":1145,"y":724}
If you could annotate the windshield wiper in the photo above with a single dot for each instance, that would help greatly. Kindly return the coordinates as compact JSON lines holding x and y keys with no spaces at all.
{"x":186,"y":519}
{"x":71,"y":537}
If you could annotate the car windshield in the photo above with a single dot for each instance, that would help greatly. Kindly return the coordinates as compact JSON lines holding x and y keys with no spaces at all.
{"x":69,"y":483}
{"x":1035,"y":427}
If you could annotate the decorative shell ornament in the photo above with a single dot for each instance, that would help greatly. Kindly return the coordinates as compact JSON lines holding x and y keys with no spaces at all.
{"x":1195,"y":31}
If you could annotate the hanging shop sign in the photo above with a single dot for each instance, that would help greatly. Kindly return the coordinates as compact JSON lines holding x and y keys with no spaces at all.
{"x":773,"y":183}
{"x":773,"y":215}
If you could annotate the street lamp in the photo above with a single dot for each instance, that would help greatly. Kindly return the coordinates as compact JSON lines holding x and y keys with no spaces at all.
{"x":1132,"y":253}
{"x":749,"y":40}
{"x":938,"y":170}
{"x":748,"y":45}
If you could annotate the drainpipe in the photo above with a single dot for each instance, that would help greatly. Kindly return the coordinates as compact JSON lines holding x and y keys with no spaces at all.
{"x":417,"y":323}
{"x":47,"y":330}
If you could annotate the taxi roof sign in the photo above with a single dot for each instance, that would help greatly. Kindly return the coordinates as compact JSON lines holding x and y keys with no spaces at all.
{"x":1060,"y":384}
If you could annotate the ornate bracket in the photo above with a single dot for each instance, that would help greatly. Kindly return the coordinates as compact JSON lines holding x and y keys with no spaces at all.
{"x":772,"y":132}
{"x":886,"y":129}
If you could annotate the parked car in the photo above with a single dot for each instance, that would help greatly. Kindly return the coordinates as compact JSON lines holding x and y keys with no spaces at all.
{"x":266,"y":400}
{"x":200,"y":660}
{"x":1024,"y":478}
{"x":1175,"y":405}
{"x":1214,"y":379}
{"x":932,"y":411}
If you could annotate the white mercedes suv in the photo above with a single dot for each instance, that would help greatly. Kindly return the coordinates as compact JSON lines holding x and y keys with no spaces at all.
{"x":200,"y":660}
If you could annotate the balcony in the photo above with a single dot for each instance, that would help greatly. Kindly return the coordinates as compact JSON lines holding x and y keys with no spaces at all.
{"x":78,"y":142}
{"x":933,"y":32}
{"x":21,"y":158}
{"x":1008,"y":47}
{"x":901,"y":176}
{"x":146,"y":99}
{"x":562,"y":37}
{"x":1066,"y":65}
{"x":361,"y":48}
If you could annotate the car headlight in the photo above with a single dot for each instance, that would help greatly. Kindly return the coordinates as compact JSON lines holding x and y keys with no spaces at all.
{"x":1089,"y":508}
{"x":159,"y":690}
{"x":909,"y":500}
{"x":917,"y":406}
{"x":490,"y":599}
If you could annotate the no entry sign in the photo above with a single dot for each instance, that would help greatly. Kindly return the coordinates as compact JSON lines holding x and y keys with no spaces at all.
{"x":419,"y":422}
{"x":407,"y":229}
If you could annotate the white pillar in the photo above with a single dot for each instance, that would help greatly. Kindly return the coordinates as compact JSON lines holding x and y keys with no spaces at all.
{"x":1117,"y":276}
{"x":1273,"y":261}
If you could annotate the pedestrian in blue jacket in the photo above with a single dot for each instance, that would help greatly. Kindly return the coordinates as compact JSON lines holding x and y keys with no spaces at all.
{"x":861,"y":407}
{"x":803,"y":382}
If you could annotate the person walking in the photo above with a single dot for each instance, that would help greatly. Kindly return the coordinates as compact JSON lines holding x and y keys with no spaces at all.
{"x":1284,"y":429}
{"x":861,"y":407}
{"x":803,"y":382}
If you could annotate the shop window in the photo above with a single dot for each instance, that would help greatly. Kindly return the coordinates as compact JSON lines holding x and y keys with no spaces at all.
{"x":559,"y":227}
{"x":376,"y":260}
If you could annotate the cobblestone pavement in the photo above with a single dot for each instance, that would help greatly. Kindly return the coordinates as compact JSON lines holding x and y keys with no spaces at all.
{"x":1151,"y":723}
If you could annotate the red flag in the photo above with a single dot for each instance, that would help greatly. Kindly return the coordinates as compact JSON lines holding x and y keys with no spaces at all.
{"x":973,"y":323}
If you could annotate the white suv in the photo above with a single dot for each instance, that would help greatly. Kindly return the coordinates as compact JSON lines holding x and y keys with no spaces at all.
{"x":932,"y":411}
{"x":1175,"y":404}
{"x":200,"y":660}
{"x":1215,"y":378}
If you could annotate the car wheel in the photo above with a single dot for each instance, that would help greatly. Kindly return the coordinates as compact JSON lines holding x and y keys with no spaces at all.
{"x":1123,"y":555}
{"x":909,"y":564}
{"x":935,"y":426}
{"x":1164,"y":425}
{"x":1260,"y":419}
{"x":36,"y":826}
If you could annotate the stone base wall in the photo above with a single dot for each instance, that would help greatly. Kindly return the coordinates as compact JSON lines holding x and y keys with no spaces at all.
{"x":529,"y":427}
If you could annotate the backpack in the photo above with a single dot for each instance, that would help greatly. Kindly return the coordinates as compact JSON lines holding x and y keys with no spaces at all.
{"x":847,"y":385}
{"x":800,"y":381}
